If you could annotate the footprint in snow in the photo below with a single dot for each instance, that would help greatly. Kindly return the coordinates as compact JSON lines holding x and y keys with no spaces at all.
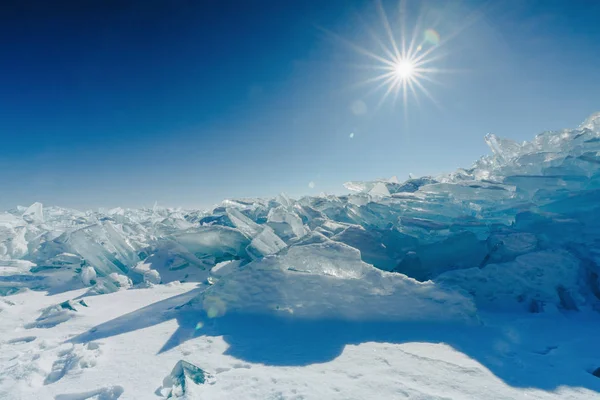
{"x":73,"y":358}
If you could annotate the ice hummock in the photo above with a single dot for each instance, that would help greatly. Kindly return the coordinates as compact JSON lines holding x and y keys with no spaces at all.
{"x":519,"y":229}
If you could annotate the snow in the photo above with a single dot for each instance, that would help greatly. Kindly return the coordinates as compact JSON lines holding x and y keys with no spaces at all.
{"x":481,"y":283}
{"x":129,"y":350}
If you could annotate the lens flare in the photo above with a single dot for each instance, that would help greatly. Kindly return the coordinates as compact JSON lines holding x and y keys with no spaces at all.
{"x":431,"y":36}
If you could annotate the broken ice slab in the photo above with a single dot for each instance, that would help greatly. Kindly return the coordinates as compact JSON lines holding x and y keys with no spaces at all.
{"x":88,"y":276}
{"x":170,"y":261}
{"x":10,"y":284}
{"x":555,"y":227}
{"x":387,"y":187}
{"x":57,"y":314}
{"x":103,"y":246}
{"x":183,"y":379}
{"x":279,"y":217}
{"x":214,"y":240}
{"x":243,"y":223}
{"x":379,"y":189}
{"x":425,"y":224}
{"x":592,"y":123}
{"x":307,"y":213}
{"x":533,"y":276}
{"x":358,"y":186}
{"x":265,"y":243}
{"x":584,"y":201}
{"x":359,"y":199}
{"x":504,"y":149}
{"x":221,"y":219}
{"x":60,"y":261}
{"x":471,"y":190}
{"x":110,"y":284}
{"x":15,"y":267}
{"x":149,"y":275}
{"x":410,"y":265}
{"x":72,"y":305}
{"x":225,"y":268}
{"x":504,"y":247}
{"x":460,"y":250}
{"x":410,"y":185}
{"x":34,"y":213}
{"x":284,"y":200}
{"x":310,"y":238}
{"x":299,"y":283}
{"x":529,"y":184}
{"x":380,"y":248}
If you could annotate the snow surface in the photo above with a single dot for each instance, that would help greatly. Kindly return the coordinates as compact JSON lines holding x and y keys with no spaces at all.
{"x":479,"y":284}
{"x":124,"y":345}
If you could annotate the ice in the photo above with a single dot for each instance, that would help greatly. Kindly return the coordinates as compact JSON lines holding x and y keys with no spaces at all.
{"x":265,"y":243}
{"x":534,"y":276}
{"x":182,"y":379}
{"x":286,"y":222}
{"x":243,"y":223}
{"x":380,"y":248}
{"x":328,"y":280}
{"x":34,"y":213}
{"x":223,"y":269}
{"x":519,"y":229}
{"x":221,"y":242}
{"x":88,"y":276}
{"x":57,"y":314}
{"x":379,"y":189}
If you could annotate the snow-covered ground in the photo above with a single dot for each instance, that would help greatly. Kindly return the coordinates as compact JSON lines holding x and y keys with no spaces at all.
{"x":123,"y":345}
{"x":479,"y":284}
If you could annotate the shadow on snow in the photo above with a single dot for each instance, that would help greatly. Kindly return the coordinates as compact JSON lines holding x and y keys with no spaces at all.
{"x":530,"y":356}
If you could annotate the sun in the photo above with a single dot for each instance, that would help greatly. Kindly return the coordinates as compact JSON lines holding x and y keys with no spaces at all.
{"x":404,"y":69}
{"x":405,"y":62}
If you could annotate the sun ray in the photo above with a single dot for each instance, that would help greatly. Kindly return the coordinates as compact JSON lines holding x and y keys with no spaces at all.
{"x":428,"y":95}
{"x":413,"y":39}
{"x":405,"y":65}
{"x":372,"y":67}
{"x":358,"y":48}
{"x":396,"y":92}
{"x":402,"y":12}
{"x":414,"y":93}
{"x":428,"y":79}
{"x":375,"y":79}
{"x":388,"y":91}
{"x":469,"y":20}
{"x":388,"y":81}
{"x":429,"y":60}
{"x":388,"y":28}
{"x":376,"y":38}
{"x":442,"y":70}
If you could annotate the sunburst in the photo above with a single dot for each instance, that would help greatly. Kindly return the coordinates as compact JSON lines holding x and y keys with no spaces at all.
{"x":405,"y":63}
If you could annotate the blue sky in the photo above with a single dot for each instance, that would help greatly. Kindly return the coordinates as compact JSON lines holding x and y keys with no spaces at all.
{"x":124,"y":103}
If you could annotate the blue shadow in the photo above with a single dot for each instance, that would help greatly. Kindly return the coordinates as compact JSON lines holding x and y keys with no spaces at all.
{"x":542,"y":358}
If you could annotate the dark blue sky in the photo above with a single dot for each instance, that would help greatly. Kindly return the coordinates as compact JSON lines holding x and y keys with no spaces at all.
{"x":107,"y":103}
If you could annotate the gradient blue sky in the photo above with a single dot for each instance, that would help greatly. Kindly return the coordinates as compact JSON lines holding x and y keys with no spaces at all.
{"x":124,"y":103}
